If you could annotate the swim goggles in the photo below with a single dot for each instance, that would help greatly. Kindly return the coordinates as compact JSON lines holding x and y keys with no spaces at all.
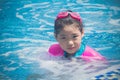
{"x":74,"y":15}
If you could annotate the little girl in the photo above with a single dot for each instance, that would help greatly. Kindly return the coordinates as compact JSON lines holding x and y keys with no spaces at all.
{"x":68,"y":31}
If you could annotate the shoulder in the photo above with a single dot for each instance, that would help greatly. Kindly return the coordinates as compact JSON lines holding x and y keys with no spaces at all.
{"x":55,"y":50}
{"x":91,"y":53}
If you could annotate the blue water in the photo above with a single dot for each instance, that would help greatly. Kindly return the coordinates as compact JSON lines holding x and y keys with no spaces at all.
{"x":26,"y":32}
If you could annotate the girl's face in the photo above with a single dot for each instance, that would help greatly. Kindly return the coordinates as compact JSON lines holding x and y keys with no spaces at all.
{"x":69,"y":38}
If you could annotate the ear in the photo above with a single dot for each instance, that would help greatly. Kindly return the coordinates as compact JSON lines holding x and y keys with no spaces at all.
{"x":55,"y":35}
{"x":82,"y":33}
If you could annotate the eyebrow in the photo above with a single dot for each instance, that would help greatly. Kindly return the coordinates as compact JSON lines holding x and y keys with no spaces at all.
{"x":75,"y":34}
{"x":66,"y":35}
{"x":62,"y":35}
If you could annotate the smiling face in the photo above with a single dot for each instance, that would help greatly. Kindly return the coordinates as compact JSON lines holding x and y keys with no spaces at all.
{"x":69,"y":38}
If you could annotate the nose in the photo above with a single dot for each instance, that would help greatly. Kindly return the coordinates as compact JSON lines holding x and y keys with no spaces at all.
{"x":70,"y":42}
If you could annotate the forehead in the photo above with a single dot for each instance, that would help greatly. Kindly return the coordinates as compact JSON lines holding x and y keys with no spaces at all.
{"x":70,"y":29}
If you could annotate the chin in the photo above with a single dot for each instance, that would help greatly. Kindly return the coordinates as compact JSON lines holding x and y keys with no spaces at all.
{"x":71,"y":52}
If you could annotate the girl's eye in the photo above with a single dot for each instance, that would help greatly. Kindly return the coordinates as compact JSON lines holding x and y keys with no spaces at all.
{"x":75,"y":36}
{"x":63,"y":37}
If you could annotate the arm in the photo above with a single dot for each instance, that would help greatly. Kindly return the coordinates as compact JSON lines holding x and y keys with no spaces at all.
{"x":55,"y":50}
{"x":90,"y":53}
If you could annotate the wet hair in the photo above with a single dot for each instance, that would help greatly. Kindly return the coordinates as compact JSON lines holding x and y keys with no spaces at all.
{"x":61,"y":23}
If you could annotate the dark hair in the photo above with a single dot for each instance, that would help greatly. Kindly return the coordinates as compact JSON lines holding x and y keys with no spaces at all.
{"x":60,"y":23}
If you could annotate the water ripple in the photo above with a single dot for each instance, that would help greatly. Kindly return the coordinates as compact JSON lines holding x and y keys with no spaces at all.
{"x":27,"y":32}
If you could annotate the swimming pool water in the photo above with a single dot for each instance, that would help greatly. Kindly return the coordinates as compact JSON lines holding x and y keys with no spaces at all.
{"x":26,"y":32}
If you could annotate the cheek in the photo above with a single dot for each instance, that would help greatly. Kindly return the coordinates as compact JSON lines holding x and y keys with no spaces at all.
{"x":62,"y":43}
{"x":78,"y":42}
{"x":63,"y":46}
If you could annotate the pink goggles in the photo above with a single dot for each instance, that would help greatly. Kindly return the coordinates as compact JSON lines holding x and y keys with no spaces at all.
{"x":74,"y":15}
